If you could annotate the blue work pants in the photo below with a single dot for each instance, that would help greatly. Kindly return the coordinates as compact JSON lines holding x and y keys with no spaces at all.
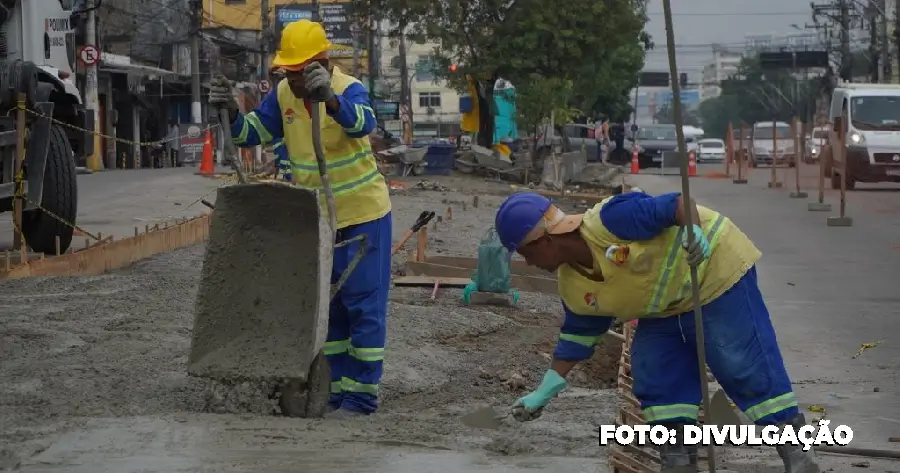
{"x":741,"y":352}
{"x":357,"y":317}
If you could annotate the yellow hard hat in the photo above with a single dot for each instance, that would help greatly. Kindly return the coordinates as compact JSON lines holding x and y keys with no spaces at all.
{"x":301,"y":41}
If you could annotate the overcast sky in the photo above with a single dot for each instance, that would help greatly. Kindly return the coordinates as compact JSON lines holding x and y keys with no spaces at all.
{"x":699,"y":23}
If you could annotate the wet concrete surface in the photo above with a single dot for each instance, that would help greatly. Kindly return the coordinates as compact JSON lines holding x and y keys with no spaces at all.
{"x":94,"y":368}
{"x":217,"y":444}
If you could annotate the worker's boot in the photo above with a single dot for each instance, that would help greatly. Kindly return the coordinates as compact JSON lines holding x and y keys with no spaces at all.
{"x":678,"y":458}
{"x":794,"y":458}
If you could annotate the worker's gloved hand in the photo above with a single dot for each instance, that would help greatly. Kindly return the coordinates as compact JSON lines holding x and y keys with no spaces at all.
{"x":698,"y":251}
{"x":220,"y":95}
{"x":530,"y":406}
{"x":317,"y":82}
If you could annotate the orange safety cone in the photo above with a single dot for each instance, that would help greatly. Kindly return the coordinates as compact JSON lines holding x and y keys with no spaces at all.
{"x":635,"y":163}
{"x":207,"y":168}
{"x":692,"y":164}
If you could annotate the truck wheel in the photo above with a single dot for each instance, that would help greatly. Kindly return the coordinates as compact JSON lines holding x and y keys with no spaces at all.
{"x":60,"y":197}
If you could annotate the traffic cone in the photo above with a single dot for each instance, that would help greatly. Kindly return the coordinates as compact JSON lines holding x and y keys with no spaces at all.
{"x":207,"y":167}
{"x":692,"y":164}
{"x":635,"y":163}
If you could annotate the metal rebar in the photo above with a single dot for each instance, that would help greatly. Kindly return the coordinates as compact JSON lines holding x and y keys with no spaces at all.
{"x":688,"y":220}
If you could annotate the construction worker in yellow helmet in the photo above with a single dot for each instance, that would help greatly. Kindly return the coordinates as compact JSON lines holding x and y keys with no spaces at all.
{"x":356,"y":333}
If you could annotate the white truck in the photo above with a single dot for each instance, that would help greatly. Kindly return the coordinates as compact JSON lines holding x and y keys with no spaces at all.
{"x":869,"y":115}
{"x":37,"y":57}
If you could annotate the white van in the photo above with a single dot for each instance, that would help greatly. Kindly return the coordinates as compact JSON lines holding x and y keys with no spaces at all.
{"x":869,"y":115}
{"x":773,"y":144}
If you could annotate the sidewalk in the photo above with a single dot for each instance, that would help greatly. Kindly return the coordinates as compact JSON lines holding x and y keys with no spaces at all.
{"x":829,"y":290}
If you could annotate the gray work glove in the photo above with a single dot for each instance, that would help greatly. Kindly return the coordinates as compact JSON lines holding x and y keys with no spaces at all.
{"x":220,"y":95}
{"x":317,"y":82}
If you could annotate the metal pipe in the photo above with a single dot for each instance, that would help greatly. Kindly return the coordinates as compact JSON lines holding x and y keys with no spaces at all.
{"x":688,"y":217}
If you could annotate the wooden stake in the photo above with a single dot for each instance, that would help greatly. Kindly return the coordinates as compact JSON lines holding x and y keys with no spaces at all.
{"x":58,"y":246}
{"x":449,"y":213}
{"x":6,"y":258}
{"x":87,"y":243}
{"x":135,"y":231}
{"x":146,"y":228}
{"x":421,"y":244}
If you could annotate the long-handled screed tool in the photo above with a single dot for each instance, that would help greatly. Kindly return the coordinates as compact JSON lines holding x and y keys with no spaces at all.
{"x":689,"y":216}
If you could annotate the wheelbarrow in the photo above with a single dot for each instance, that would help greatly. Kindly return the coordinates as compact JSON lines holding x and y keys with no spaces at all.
{"x":265,"y":289}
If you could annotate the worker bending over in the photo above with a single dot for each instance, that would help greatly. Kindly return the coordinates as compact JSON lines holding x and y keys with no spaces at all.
{"x":628,"y":258}
{"x":356,"y":332}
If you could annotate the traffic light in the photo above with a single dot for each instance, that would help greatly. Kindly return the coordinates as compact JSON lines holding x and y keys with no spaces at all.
{"x":682,"y":79}
{"x":654,"y":79}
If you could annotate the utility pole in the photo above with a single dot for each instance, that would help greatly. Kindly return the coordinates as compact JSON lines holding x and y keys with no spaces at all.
{"x":374,"y":53}
{"x":846,"y":59}
{"x":874,"y":39}
{"x":265,"y":36}
{"x":91,"y":92}
{"x":196,"y":8}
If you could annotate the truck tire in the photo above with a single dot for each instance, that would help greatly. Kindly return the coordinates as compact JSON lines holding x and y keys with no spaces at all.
{"x":60,"y":197}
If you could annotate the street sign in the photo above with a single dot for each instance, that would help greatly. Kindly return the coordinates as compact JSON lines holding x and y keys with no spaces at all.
{"x":264,"y":86}
{"x":89,"y":55}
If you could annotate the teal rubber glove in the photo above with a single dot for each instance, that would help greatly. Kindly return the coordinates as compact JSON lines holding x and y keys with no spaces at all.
{"x":699,"y":251}
{"x":530,"y":406}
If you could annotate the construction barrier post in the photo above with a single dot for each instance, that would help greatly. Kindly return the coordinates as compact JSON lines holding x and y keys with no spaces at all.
{"x":740,"y":158}
{"x":842,"y":220}
{"x":635,"y":163}
{"x":798,"y":129}
{"x":18,"y":202}
{"x":692,"y":163}
{"x":820,"y":205}
{"x":773,"y":180}
{"x":729,"y":149}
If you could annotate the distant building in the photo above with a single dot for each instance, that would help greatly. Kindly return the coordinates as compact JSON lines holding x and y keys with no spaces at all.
{"x":435,"y":106}
{"x":725,"y":63}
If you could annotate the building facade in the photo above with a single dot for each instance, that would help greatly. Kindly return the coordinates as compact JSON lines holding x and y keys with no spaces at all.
{"x":434,"y":105}
{"x":724,"y":64}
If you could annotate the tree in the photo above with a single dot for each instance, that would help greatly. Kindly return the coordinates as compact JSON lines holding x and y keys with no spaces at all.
{"x":595,"y":45}
{"x":755,"y":94}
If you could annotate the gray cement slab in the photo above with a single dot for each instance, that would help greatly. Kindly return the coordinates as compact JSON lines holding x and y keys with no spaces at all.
{"x":114,"y":202}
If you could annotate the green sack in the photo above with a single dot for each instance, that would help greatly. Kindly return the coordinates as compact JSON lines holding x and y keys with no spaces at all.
{"x":492,"y":272}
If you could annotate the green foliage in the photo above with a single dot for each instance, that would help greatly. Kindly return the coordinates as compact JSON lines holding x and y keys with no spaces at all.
{"x":755,"y":94}
{"x":540,"y":96}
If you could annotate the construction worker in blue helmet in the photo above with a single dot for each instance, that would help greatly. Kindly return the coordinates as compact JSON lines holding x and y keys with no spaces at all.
{"x":356,"y":332}
{"x":628,"y":258}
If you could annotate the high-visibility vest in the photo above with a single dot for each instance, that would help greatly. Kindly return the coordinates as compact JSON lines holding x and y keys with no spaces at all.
{"x":652,"y":278}
{"x":360,"y":192}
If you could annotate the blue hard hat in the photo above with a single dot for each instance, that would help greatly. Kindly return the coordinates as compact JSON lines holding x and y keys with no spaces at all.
{"x":517,"y":216}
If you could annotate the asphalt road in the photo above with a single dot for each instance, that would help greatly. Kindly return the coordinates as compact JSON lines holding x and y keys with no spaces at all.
{"x":115,"y":202}
{"x":829,"y":290}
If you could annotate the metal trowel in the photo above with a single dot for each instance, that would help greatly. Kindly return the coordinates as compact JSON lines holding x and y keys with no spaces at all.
{"x":485,"y":418}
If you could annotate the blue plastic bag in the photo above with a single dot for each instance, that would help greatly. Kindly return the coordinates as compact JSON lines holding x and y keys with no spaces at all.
{"x":492,"y":273}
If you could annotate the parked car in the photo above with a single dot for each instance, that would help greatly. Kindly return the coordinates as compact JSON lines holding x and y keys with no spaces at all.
{"x":815,"y":142}
{"x":711,"y":150}
{"x":654,"y":140}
